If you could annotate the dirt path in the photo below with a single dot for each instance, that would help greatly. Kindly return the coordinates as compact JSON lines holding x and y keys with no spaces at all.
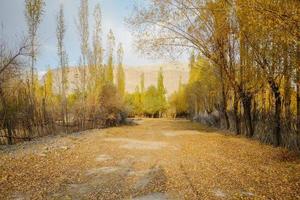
{"x":154,"y":160}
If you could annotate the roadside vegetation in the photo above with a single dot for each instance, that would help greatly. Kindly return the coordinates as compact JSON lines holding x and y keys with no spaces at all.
{"x":148,"y":102}
{"x":31,"y":107}
{"x":204,"y":141}
{"x":244,"y":71}
{"x":244,"y":63}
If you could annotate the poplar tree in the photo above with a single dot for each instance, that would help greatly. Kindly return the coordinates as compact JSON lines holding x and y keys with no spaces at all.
{"x":61,"y":52}
{"x":142,"y":82}
{"x":83,"y":29}
{"x":161,"y":92}
{"x":142,"y":86}
{"x":120,"y":72}
{"x":33,"y":13}
{"x":152,"y":105}
{"x":192,"y":68}
{"x":249,"y":56}
{"x":110,"y":63}
{"x":97,"y":64}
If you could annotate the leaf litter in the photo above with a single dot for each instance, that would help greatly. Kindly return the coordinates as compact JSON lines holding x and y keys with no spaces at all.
{"x":122,"y":163}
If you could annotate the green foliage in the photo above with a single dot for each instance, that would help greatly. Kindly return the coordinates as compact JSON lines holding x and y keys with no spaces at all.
{"x":152,"y":105}
{"x":161,"y":93}
{"x":109,"y":98}
{"x":121,"y":80}
{"x":193,"y":73}
{"x":33,"y":107}
{"x":48,"y":84}
{"x":120,"y":72}
{"x":178,"y":101}
{"x":109,"y":71}
{"x":135,"y":103}
{"x":151,"y":102}
{"x":203,"y":90}
{"x":142,"y":82}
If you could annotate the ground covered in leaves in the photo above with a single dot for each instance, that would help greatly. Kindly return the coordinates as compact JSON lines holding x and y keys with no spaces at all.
{"x":153,"y":160}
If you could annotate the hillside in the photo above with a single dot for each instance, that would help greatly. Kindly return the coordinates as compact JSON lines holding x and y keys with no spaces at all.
{"x":172,"y":73}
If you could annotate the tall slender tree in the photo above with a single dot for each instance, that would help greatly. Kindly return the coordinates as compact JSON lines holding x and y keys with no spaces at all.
{"x":33,"y":13}
{"x":142,"y":82}
{"x":110,"y":61}
{"x":98,"y":71}
{"x":61,"y":52}
{"x":83,"y":28}
{"x":120,"y":71}
{"x":161,"y":92}
{"x":142,"y":86}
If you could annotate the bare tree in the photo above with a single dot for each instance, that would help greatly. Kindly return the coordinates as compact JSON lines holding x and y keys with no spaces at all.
{"x":9,"y":67}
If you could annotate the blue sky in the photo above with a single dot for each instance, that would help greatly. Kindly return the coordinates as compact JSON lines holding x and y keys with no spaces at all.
{"x":113,"y":14}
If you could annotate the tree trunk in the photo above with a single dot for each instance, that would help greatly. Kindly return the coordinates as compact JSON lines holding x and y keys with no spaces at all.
{"x":224,"y":109}
{"x":44,"y":111}
{"x":287,"y":90}
{"x":246,"y":99}
{"x":236,"y":114}
{"x":67,"y":117}
{"x":277,"y":121}
{"x":298,"y":89}
{"x":255,"y":111}
{"x":263,"y":102}
{"x":196,"y":108}
{"x":7,"y":122}
{"x":224,"y":100}
{"x":9,"y":131}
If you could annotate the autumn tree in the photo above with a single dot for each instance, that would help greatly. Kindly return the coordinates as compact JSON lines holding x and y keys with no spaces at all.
{"x":83,"y":29}
{"x":120,"y":71}
{"x":10,"y":66}
{"x":33,"y":105}
{"x":272,"y":57}
{"x":178,"y":101}
{"x":134,"y":102}
{"x":152,"y":104}
{"x":60,"y":34}
{"x":96,"y":68}
{"x":110,"y":62}
{"x":161,"y":92}
{"x":142,"y":87}
{"x":33,"y":13}
{"x":252,"y":45}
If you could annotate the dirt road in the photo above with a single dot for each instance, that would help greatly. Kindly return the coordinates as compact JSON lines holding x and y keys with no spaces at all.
{"x":153,"y":160}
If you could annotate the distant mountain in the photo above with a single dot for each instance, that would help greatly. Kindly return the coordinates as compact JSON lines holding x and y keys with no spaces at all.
{"x":171,"y":71}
